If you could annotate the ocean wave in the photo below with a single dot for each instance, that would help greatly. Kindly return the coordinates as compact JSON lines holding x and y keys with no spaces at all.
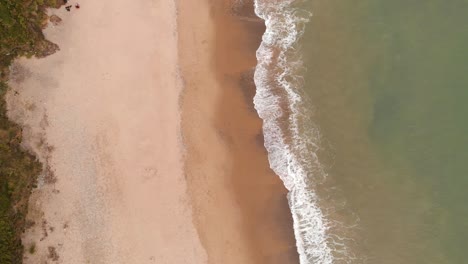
{"x":291,"y":147}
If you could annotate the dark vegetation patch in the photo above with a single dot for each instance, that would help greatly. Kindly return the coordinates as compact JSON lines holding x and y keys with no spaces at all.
{"x":53,"y":254}
{"x":32,"y":249}
{"x":18,"y":172}
{"x":21,"y":24}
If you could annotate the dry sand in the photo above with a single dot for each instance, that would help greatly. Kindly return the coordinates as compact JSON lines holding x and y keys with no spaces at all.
{"x":127,"y":181}
{"x":104,"y":114}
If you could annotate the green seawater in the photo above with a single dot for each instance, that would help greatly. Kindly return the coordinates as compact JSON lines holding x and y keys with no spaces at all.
{"x":388,"y":83}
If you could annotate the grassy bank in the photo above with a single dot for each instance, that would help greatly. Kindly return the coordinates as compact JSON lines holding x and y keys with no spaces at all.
{"x":21,"y":24}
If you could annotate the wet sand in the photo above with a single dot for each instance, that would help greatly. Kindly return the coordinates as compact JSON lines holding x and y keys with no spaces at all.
{"x":240,"y":203}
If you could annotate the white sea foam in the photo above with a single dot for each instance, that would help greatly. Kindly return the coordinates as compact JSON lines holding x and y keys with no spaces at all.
{"x":292,"y":150}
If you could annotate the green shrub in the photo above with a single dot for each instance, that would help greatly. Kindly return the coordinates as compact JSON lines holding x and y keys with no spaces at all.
{"x":18,"y":172}
{"x":32,"y":248}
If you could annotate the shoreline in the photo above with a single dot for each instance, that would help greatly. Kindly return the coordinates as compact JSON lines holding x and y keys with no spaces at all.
{"x":228,"y":147}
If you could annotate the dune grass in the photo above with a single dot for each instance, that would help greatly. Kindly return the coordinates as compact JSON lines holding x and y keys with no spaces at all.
{"x":21,"y":24}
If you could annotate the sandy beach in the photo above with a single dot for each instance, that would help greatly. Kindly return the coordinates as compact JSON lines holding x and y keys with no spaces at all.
{"x":153,"y":151}
{"x":103,"y":114}
{"x":230,"y":181}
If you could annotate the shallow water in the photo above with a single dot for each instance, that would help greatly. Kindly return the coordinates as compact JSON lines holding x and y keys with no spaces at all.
{"x":371,"y":124}
{"x":388,"y":82}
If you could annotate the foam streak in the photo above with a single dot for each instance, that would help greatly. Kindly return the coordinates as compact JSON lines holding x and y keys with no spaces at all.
{"x":277,"y":90}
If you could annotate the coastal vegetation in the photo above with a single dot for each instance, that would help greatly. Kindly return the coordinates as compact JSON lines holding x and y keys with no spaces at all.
{"x":21,"y":24}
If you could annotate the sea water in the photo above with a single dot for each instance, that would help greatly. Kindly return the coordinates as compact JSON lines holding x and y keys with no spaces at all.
{"x":365,"y":112}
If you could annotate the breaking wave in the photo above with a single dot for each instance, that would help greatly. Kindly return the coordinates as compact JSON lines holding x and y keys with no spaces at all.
{"x":291,"y":144}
